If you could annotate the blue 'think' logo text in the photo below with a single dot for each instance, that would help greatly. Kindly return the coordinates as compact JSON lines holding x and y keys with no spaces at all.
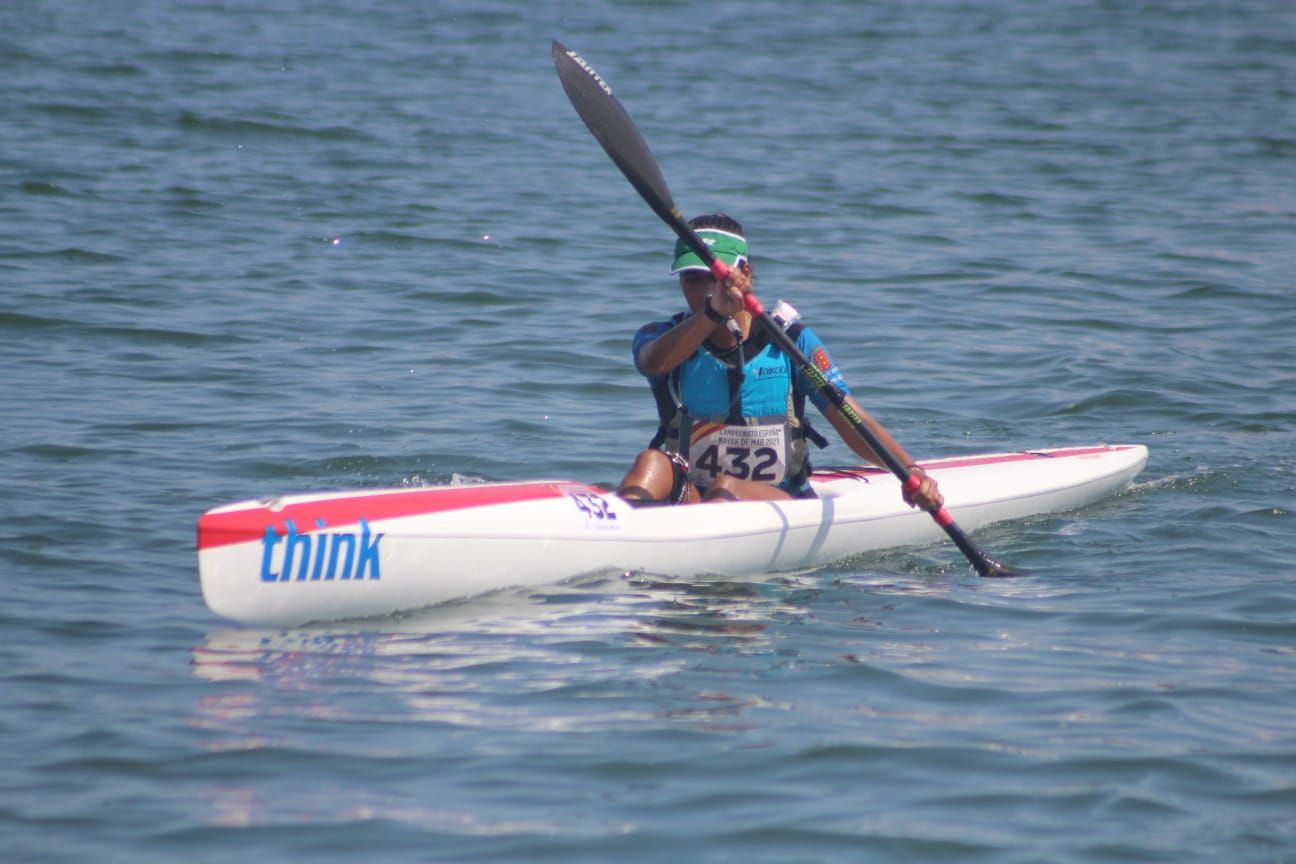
{"x":319,"y":556}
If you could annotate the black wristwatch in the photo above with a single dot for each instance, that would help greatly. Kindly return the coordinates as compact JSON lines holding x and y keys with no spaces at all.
{"x":711,"y":313}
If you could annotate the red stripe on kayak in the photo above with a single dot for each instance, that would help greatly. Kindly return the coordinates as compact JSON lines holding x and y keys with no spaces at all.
{"x":957,"y":462}
{"x":242,"y":526}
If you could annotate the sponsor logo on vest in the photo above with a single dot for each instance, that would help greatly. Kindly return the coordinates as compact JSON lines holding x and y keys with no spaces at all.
{"x":319,"y":556}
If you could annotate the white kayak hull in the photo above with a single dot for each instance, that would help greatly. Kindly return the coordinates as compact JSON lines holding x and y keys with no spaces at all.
{"x":329,"y":556}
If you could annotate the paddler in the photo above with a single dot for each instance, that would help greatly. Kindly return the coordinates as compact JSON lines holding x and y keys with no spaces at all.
{"x":732,"y":405}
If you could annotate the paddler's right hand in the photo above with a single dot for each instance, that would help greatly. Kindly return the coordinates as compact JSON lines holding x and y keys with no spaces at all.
{"x":727,"y":298}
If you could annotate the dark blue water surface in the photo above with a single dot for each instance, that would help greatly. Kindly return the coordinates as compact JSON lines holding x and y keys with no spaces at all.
{"x":263,"y":247}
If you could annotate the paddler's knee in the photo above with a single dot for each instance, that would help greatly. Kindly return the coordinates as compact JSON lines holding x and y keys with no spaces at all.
{"x":729,"y":488}
{"x":657,"y":477}
{"x":723,"y":489}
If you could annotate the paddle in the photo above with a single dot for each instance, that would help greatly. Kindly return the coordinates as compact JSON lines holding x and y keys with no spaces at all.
{"x":616,"y":132}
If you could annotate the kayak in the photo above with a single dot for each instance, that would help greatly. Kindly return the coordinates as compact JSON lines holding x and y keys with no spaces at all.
{"x":334,"y":555}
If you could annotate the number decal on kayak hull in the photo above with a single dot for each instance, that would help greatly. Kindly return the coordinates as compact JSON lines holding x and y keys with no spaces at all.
{"x":600,"y":512}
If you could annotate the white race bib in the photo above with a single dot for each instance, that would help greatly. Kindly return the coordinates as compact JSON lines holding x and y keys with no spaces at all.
{"x":759,"y":452}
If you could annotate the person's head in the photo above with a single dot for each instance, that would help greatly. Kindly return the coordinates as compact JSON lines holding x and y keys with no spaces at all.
{"x":724,"y":236}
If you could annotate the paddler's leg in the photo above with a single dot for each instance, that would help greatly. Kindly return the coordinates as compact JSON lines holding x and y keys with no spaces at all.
{"x":656,"y":478}
{"x":728,"y":488}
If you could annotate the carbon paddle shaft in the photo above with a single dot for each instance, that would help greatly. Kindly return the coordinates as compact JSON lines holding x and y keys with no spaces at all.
{"x":984,"y":564}
{"x":612,"y":127}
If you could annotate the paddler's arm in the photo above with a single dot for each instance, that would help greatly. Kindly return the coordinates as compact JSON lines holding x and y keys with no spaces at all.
{"x":675,"y":345}
{"x":928,"y":496}
{"x":680,"y":342}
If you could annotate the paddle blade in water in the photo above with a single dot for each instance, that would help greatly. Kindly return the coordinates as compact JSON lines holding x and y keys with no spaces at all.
{"x":989,"y":568}
{"x":986,"y":566}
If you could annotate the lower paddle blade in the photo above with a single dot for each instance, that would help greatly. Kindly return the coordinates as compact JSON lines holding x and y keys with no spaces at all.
{"x":988,"y":568}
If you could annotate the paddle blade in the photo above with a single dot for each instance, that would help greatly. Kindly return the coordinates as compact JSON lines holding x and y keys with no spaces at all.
{"x":985,"y":566}
{"x":612,"y":127}
{"x":988,"y":568}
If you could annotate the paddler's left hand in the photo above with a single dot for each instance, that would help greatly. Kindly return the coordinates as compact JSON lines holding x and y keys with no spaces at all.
{"x":928,"y":495}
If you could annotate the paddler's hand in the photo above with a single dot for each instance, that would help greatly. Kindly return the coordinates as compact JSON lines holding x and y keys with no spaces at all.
{"x":928,"y":495}
{"x":727,"y":299}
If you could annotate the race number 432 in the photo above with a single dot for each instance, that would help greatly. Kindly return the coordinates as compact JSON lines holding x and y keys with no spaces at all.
{"x":744,"y":462}
{"x":758,"y":452}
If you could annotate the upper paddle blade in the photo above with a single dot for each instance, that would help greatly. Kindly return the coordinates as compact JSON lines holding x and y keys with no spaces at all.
{"x":592,"y":98}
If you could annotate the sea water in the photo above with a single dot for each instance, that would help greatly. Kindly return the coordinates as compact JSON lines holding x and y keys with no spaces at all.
{"x":252,"y":248}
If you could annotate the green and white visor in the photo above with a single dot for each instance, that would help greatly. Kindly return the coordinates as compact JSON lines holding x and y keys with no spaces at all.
{"x":727,"y":246}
